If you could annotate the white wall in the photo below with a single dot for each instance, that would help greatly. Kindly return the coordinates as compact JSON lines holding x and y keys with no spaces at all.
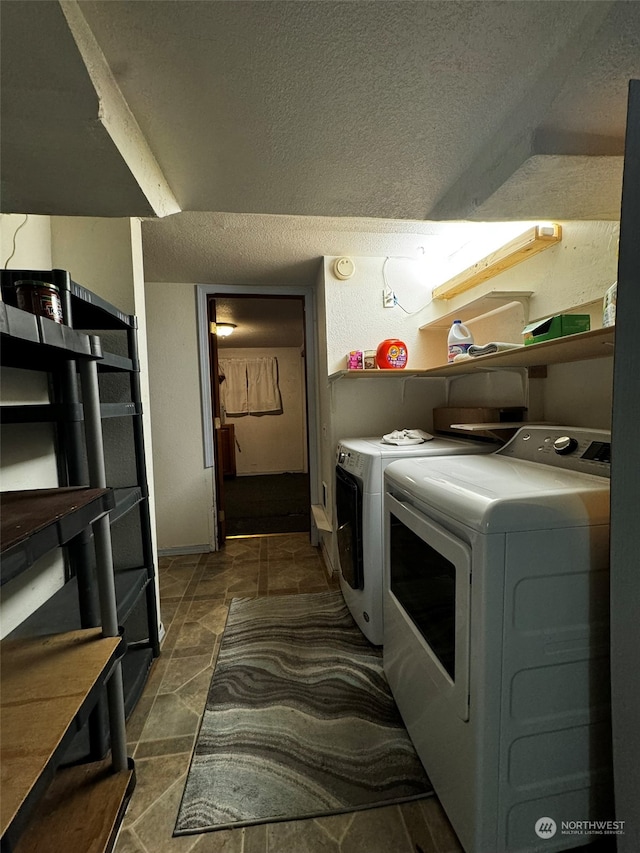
{"x":184,"y":487}
{"x":356,"y":318}
{"x":273,"y":444}
{"x":25,"y":241}
{"x":98,"y":254}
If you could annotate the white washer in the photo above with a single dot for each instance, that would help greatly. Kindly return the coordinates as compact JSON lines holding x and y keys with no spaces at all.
{"x":496,"y":612}
{"x":360,"y":466}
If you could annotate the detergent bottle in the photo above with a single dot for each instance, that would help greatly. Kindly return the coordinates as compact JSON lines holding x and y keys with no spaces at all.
{"x":392,"y":354}
{"x":459,"y":340}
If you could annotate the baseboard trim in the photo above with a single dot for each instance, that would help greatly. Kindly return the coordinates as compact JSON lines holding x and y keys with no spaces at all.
{"x":184,"y":549}
{"x":331,"y":569}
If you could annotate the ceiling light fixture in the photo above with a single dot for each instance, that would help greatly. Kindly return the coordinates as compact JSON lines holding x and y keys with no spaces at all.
{"x":222,"y":330}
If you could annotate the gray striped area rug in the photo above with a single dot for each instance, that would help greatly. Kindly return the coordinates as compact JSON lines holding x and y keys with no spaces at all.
{"x":299,"y":721}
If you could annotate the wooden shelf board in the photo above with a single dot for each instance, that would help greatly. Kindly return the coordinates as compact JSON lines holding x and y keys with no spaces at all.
{"x":598,"y":343}
{"x":25,"y":513}
{"x":534,"y":240}
{"x":495,"y":426}
{"x":46,"y":683}
{"x":35,"y":521}
{"x":477,"y":308}
{"x":581,"y":347}
{"x":82,"y":810}
{"x":376,"y":374}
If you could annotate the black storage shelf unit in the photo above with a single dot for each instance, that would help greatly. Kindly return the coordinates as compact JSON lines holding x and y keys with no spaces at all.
{"x":87,"y":315}
{"x":84,"y":305}
{"x":37,"y":670}
{"x":37,"y":520}
{"x":60,"y":612}
{"x":25,"y":790}
{"x":27,"y":340}
{"x":57,"y":413}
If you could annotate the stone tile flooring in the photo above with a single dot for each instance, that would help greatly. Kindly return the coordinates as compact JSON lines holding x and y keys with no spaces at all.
{"x":195,"y":593}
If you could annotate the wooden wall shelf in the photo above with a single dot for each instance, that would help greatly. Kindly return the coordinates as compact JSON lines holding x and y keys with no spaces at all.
{"x":480,"y":307}
{"x":524,"y":246}
{"x":598,"y":343}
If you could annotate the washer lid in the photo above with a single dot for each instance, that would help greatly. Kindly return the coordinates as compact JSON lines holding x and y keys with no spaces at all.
{"x":435,"y":447}
{"x":495,"y":494}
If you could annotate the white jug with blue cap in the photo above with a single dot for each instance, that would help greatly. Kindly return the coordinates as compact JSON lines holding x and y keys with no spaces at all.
{"x":459,"y":340}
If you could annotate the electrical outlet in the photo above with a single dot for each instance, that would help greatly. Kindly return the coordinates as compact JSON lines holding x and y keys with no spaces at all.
{"x":388,"y":298}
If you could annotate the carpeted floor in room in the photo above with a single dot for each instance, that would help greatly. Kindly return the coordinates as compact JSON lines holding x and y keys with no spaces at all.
{"x":267,"y":503}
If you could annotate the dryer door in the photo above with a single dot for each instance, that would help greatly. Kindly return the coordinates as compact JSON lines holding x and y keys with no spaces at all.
{"x":429,"y":584}
{"x":349,"y":514}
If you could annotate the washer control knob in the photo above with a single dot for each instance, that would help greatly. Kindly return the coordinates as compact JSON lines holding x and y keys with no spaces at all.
{"x":565,"y":445}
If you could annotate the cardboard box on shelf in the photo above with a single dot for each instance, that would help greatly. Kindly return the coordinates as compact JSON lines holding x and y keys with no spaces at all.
{"x":555,"y":327}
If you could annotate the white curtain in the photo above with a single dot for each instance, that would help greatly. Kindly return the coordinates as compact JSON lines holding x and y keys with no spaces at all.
{"x":250,"y":386}
{"x":233,"y":389}
{"x":262,"y":386}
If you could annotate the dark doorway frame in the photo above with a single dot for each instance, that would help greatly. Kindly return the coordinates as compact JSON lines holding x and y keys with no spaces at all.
{"x":308,"y":294}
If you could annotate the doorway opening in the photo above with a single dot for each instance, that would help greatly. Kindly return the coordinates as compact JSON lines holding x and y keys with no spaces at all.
{"x":259,"y":410}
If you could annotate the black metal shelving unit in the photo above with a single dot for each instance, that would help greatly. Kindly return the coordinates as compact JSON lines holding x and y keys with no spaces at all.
{"x":51,"y":685}
{"x":121,"y":413}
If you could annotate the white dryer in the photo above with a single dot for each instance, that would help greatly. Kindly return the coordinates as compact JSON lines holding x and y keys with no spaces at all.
{"x":360,"y":466}
{"x":496,"y":648}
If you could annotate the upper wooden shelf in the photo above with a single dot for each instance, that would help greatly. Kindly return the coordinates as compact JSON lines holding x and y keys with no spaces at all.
{"x":595,"y":344}
{"x":525,"y":245}
{"x":47,"y":684}
{"x":479,"y":307}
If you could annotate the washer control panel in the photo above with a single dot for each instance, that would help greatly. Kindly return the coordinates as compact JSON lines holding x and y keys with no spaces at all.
{"x":573,"y":448}
{"x":351,"y":460}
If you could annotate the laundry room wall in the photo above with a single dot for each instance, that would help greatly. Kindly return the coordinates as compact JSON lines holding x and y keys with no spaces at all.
{"x":273,"y":444}
{"x":572,"y":275}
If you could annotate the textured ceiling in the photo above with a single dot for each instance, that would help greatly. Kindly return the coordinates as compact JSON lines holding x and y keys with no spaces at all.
{"x":323,"y":108}
{"x":261,"y":322}
{"x":56,"y":157}
{"x":301,"y":113}
{"x":248,"y":249}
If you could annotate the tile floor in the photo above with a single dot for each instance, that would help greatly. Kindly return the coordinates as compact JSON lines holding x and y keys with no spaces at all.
{"x":195,"y":593}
